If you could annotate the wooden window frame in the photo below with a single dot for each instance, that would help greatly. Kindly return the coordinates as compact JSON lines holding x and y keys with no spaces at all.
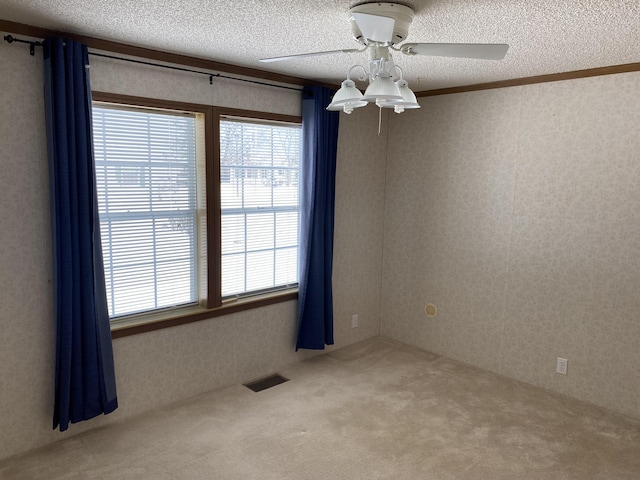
{"x":213,"y":305}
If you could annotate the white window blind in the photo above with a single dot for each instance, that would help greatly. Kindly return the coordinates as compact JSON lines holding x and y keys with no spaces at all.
{"x":146,"y":180}
{"x":259,"y":171}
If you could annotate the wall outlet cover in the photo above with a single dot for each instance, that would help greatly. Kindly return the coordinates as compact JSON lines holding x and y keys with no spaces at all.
{"x":561,"y":366}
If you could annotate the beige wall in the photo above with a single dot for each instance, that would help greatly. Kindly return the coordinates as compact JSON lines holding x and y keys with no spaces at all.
{"x":516,"y":212}
{"x":161,"y":367}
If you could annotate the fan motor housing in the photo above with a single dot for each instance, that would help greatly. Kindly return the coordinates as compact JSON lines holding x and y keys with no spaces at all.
{"x":402,"y":15}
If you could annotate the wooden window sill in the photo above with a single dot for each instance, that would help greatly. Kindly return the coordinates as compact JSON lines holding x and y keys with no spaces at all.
{"x":148,"y":322}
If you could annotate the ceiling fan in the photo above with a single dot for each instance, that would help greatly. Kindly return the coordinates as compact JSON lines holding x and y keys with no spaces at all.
{"x":381,"y":28}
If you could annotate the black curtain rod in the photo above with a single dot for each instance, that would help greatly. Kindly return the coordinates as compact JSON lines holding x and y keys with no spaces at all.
{"x":32,"y":45}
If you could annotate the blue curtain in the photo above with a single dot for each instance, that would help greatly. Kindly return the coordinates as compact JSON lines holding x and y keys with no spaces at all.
{"x":320,"y":143}
{"x":84,"y":371}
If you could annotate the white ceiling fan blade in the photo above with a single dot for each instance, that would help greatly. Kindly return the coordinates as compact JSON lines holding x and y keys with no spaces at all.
{"x":486,"y":51}
{"x":313,"y":54}
{"x":375,"y":27}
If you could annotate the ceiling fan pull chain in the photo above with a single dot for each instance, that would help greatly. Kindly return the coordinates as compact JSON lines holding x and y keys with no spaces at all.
{"x":379,"y":119}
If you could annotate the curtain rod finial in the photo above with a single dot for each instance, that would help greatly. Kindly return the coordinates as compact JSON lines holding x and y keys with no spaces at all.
{"x":32,"y":45}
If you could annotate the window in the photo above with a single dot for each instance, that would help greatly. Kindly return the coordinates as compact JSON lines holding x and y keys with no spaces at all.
{"x":260,"y":198}
{"x":198,"y":205}
{"x":146,"y":181}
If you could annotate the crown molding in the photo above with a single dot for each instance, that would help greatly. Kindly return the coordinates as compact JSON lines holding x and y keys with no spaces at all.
{"x":516,"y":82}
{"x":158,"y":55}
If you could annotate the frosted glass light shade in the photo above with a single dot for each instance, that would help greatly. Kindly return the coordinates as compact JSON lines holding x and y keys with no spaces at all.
{"x":347,"y":98}
{"x":408,"y":98}
{"x":382,"y":88}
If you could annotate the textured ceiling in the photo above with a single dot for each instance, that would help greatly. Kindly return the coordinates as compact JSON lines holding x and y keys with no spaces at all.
{"x":545,"y":36}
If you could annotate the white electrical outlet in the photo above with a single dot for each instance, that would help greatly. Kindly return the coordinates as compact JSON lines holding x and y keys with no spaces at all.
{"x":561,"y":366}
{"x":354,"y":321}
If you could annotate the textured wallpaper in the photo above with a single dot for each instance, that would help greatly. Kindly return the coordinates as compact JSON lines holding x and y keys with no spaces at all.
{"x":26,"y":302}
{"x":165,"y":366}
{"x":515,"y":212}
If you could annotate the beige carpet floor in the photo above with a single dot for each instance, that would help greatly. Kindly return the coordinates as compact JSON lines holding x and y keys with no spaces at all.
{"x":375,"y":410}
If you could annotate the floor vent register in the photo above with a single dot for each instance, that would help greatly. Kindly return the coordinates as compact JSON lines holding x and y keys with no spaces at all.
{"x":266,"y":382}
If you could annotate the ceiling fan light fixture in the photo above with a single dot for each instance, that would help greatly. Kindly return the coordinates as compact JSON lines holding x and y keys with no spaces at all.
{"x":380,"y":27}
{"x":408,"y":101}
{"x":381,"y":90}
{"x":347,"y":98}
